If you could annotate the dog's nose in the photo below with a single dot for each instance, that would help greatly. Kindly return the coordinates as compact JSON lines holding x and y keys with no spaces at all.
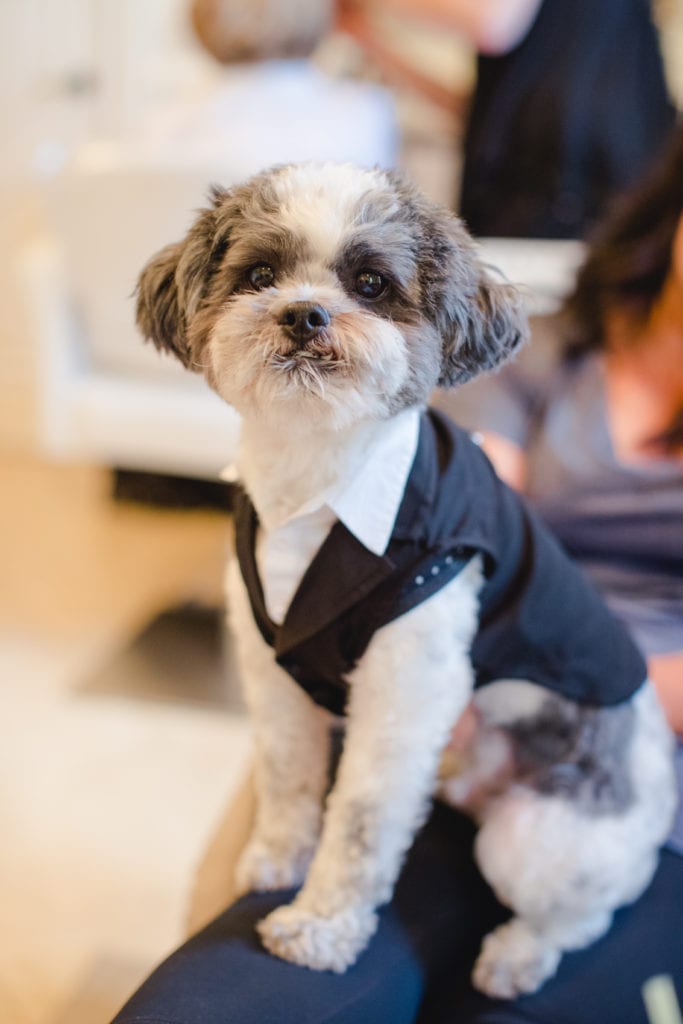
{"x":302,"y":321}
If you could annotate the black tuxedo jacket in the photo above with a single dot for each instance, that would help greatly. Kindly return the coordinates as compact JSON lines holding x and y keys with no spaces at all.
{"x":541,"y":619}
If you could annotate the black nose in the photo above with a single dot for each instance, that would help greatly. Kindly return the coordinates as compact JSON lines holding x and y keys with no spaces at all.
{"x":303,"y":320}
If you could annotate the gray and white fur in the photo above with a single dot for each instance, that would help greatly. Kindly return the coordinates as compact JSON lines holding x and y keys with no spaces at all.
{"x":271,"y":297}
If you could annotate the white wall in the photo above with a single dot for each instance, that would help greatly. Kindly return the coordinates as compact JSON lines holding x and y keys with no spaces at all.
{"x":70,"y":70}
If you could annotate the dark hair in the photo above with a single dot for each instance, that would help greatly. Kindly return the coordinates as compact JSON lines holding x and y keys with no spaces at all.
{"x":629,"y":252}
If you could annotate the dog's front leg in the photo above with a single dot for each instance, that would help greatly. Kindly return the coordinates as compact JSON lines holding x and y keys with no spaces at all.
{"x":412,"y":684}
{"x":291,"y":758}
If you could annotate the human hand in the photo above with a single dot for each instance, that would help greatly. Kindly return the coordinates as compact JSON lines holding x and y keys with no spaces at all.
{"x":464,"y":730}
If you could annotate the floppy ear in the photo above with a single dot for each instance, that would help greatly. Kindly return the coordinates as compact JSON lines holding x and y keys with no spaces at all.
{"x":483,"y":330}
{"x":173,"y":283}
{"x":481,"y":321}
{"x":157,"y":311}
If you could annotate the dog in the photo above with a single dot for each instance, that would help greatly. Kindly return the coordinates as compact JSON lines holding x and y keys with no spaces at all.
{"x":383,"y":573}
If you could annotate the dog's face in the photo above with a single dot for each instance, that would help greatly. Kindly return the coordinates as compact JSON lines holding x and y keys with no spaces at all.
{"x":328,"y":293}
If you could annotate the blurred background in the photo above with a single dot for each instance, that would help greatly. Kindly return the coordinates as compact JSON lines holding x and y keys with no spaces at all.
{"x":124,"y":737}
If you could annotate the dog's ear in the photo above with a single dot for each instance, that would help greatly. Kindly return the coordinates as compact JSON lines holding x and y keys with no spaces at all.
{"x":481,"y":321}
{"x":173,"y":283}
{"x":482,"y":332}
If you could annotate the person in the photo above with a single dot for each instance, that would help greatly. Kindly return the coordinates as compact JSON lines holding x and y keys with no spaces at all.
{"x":590,"y":428}
{"x":569,"y":107}
{"x":588,"y":420}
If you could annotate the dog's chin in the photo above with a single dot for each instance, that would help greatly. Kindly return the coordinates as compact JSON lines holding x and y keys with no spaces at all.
{"x":296,"y":389}
{"x":310,"y":368}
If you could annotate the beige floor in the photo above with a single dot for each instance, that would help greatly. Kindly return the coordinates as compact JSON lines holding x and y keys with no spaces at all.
{"x":107,"y":803}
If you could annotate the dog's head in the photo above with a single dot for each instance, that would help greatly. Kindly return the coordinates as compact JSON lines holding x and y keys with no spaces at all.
{"x":327,"y":290}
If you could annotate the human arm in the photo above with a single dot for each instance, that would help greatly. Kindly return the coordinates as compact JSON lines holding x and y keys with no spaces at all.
{"x":491,"y":26}
{"x":508,"y":458}
{"x":666,"y":672}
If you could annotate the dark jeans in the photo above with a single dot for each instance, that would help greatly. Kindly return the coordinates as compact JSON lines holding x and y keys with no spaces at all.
{"x":416,"y":968}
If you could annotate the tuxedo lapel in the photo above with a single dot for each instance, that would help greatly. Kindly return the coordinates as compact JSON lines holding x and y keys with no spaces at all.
{"x":342,"y":572}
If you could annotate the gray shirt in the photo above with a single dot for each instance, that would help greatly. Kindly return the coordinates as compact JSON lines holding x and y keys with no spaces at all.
{"x":622,"y":522}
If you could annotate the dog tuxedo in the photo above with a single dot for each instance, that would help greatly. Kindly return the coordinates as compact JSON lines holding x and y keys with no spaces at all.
{"x":540,"y":619}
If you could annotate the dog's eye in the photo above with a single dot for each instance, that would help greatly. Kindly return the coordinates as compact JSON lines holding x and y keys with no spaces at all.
{"x":369,"y":284}
{"x":261,"y":276}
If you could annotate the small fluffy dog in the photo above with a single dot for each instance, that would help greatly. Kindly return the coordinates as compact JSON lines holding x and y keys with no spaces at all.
{"x":385,"y":573}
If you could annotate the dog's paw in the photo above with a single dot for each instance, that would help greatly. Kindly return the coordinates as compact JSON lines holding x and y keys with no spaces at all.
{"x":263,"y":867}
{"x":513,"y":961}
{"x":322,"y":943}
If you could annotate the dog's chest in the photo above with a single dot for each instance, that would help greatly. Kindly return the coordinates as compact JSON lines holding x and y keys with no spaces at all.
{"x":283,"y":554}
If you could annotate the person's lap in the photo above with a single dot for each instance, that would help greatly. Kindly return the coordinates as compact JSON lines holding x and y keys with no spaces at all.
{"x":416,"y":968}
{"x":598,"y":985}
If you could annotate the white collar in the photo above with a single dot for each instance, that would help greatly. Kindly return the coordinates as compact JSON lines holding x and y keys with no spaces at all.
{"x":368,"y":498}
{"x":367,"y":502}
